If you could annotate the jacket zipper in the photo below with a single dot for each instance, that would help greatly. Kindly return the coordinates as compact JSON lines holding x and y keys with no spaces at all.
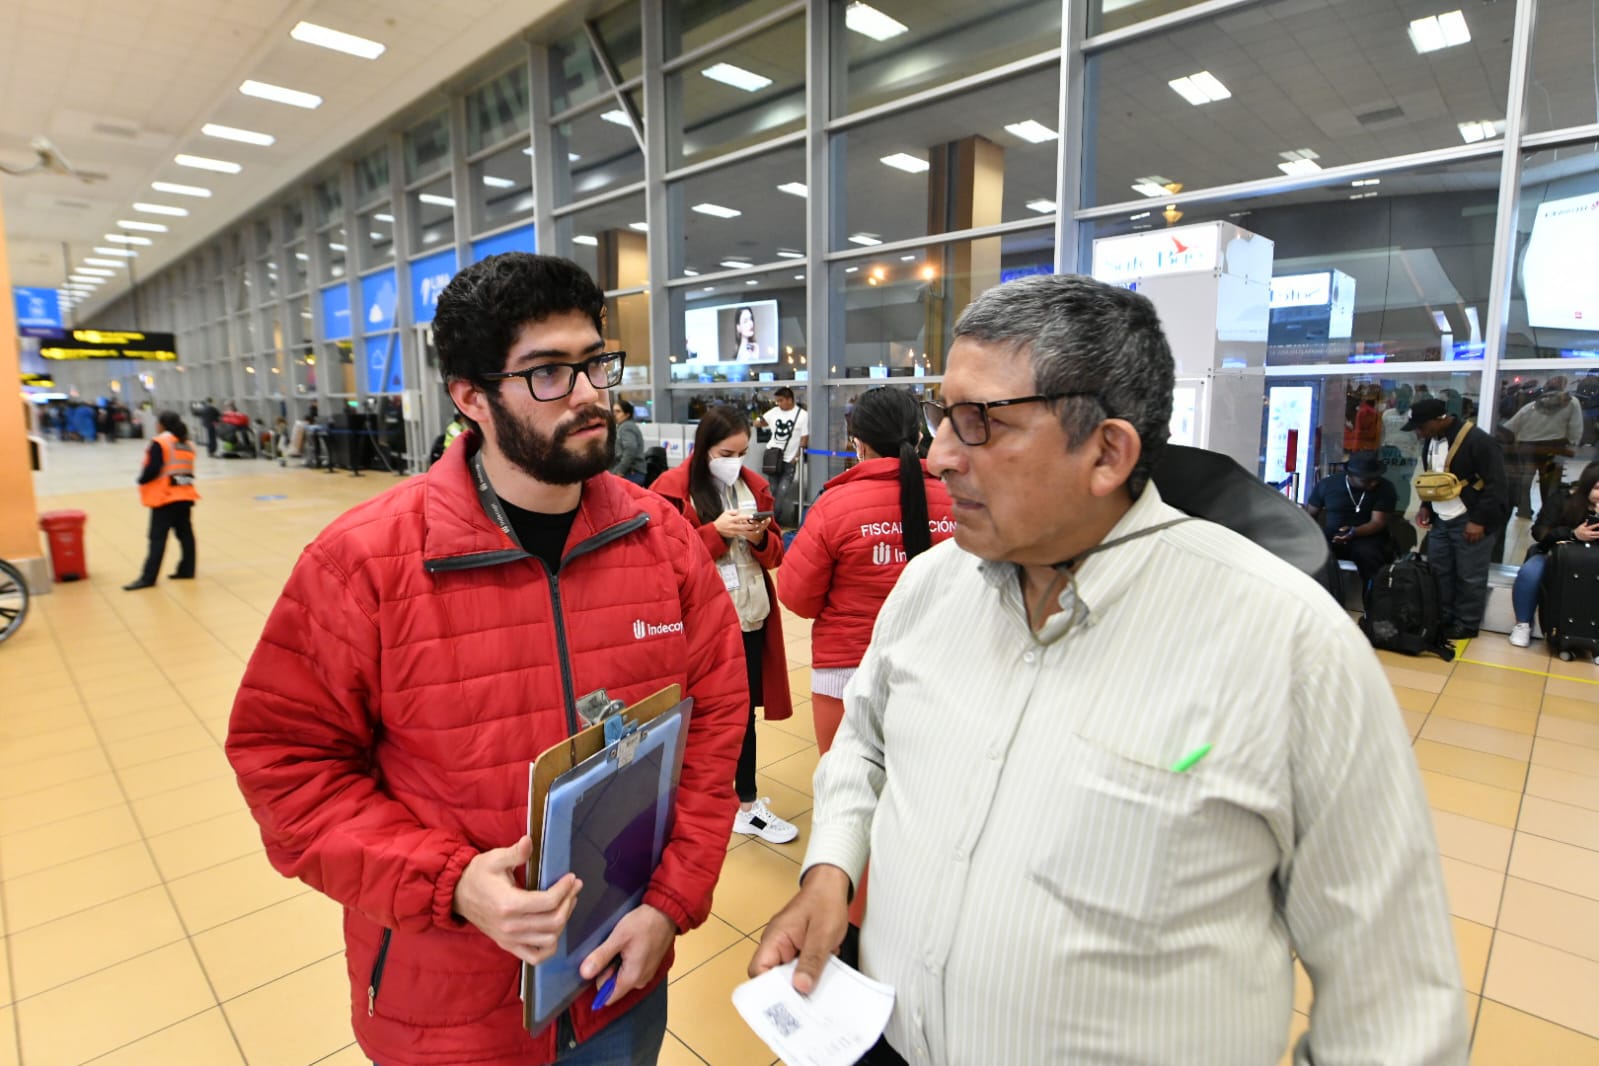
{"x":377,"y":973}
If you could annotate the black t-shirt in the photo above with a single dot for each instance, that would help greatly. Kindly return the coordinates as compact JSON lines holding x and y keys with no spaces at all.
{"x":541,"y":535}
{"x":1344,"y":506}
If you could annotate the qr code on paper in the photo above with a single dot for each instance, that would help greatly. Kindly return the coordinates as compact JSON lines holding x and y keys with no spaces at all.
{"x":784,"y":1022}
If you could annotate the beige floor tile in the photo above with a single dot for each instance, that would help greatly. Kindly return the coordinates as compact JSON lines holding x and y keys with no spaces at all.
{"x":228,"y":891}
{"x":674,"y":1053}
{"x":794,"y":849}
{"x":196,"y":847}
{"x":1562,"y":785}
{"x":1509,"y":1037}
{"x":1304,"y":994}
{"x":754,"y":885}
{"x":1467,"y":839}
{"x":1519,"y":718}
{"x":1416,"y":664}
{"x":774,"y":745}
{"x":130,"y":1000}
{"x":795,"y":771}
{"x":1574,"y":709}
{"x":1573,"y":758}
{"x":155,"y":720}
{"x":1549,"y":916}
{"x":134,"y":751}
{"x":1483,"y":802}
{"x":787,"y":803}
{"x":1560,"y":821}
{"x":1471,"y":944}
{"x":1519,"y":678}
{"x":121,"y":705}
{"x":702,"y":944}
{"x":1496,"y":651}
{"x":55,"y":771}
{"x":5,"y":978}
{"x":166,"y":811}
{"x":1546,"y":983}
{"x":263,"y":946}
{"x":50,"y":845}
{"x":1572,"y":688}
{"x":77,"y":885}
{"x":17,"y":723}
{"x":1483,"y":738}
{"x":1413,"y":678}
{"x":1472,"y":765}
{"x":163,"y":775}
{"x":50,"y":955}
{"x":204,"y":1038}
{"x":349,"y":1055}
{"x":1549,"y":862}
{"x":1413,"y":720}
{"x":1414,"y":699}
{"x":317,"y":998}
{"x":9,"y":1055}
{"x":19,"y":751}
{"x":1582,"y":734}
{"x":700,"y":1012}
{"x":1473,"y":890}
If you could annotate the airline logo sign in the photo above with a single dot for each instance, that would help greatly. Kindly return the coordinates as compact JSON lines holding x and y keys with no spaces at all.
{"x":642,"y":629}
{"x":1185,"y":250}
{"x":1302,"y":290}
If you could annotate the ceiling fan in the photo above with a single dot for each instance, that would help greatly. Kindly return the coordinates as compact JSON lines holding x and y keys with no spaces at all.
{"x":50,"y":161}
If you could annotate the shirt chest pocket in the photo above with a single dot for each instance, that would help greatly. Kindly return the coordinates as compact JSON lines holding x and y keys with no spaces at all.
{"x":1112,"y":857}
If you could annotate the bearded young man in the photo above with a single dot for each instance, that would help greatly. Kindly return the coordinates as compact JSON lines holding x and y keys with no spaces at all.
{"x":433,"y":641}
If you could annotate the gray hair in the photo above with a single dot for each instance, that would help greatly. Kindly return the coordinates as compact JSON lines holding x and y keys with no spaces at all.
{"x":1084,"y":336}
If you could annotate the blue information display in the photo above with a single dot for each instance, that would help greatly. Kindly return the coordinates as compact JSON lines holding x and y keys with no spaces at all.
{"x":429,"y":276}
{"x":37,"y":308}
{"x":521,"y":239}
{"x":385,"y":370}
{"x":379,"y":295}
{"x":336,"y":312}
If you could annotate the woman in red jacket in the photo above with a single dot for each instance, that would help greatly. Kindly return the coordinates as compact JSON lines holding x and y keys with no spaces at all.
{"x":715,"y":481}
{"x":864,"y":527}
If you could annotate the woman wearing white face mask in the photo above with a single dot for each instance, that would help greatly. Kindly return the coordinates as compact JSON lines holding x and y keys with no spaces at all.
{"x":715,"y":481}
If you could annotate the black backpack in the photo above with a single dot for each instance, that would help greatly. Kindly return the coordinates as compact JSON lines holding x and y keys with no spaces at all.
{"x":1402,"y":610}
{"x":654,"y":464}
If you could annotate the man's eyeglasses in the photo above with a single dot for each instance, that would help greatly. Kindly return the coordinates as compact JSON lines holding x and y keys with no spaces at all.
{"x":555,"y":381}
{"x":970,"y":419}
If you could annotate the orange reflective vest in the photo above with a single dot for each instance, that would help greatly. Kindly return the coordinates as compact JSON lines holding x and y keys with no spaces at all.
{"x":176,"y":480}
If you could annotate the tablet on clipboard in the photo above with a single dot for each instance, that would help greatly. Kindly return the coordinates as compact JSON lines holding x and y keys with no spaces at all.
{"x":606,"y":819}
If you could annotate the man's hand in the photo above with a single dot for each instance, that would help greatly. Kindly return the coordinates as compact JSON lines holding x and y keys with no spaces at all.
{"x":1474,"y":532}
{"x":1344,"y":535}
{"x":641,"y":939}
{"x":1585,"y":533}
{"x":811,"y":927}
{"x":525,"y":924}
{"x":1424,"y":518}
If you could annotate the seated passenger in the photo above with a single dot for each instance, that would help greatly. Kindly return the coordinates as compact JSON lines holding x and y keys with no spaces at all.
{"x":1578,"y":521}
{"x":1353,"y":507}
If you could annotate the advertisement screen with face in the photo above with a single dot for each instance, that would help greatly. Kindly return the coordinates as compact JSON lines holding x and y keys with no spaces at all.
{"x":732,"y":333}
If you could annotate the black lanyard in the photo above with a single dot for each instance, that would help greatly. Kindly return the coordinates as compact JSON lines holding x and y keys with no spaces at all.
{"x":490,"y":500}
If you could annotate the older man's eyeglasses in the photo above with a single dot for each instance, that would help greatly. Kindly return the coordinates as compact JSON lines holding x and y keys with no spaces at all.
{"x":555,"y":381}
{"x":970,"y":420}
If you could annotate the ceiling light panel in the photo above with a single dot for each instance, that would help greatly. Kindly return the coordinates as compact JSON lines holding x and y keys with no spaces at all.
{"x":908,"y":163}
{"x":279,"y":95}
{"x":200,"y":162}
{"x":233,"y":133}
{"x":867,"y":21}
{"x":348,"y":43}
{"x":123,"y":252}
{"x":162,"y":209}
{"x":717,"y":210}
{"x":865,"y":240}
{"x":1436,"y":32}
{"x":1482,"y":130}
{"x":435,"y":199}
{"x":498,"y":183}
{"x":737,"y":77}
{"x":586,"y":241}
{"x":1043,"y":207}
{"x":617,"y":116}
{"x":174,"y":189}
{"x":1201,"y":88}
{"x":142,"y":227}
{"x":1032,"y":132}
{"x":124,"y":238}
{"x":105,"y":263}
{"x":96,"y":272}
{"x":794,"y":188}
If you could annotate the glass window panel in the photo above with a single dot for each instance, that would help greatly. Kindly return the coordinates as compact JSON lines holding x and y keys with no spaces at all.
{"x":375,"y":236}
{"x":249,"y":380}
{"x":427,"y":147}
{"x":1311,"y":86}
{"x":621,"y":32}
{"x":300,"y":321}
{"x":1416,"y":248}
{"x":710,"y":117}
{"x":338,"y":359}
{"x":293,"y":221}
{"x":1548,"y":424}
{"x":575,"y":76}
{"x":693,"y":24}
{"x":497,"y":110}
{"x":900,"y":309}
{"x":969,"y":169}
{"x":432,"y":210}
{"x":596,"y":151}
{"x":941,"y":43}
{"x":372,"y":176}
{"x":841,"y":400}
{"x":502,"y":187}
{"x":770,"y":226}
{"x":609,"y":242}
{"x":263,"y":236}
{"x":1565,"y":66}
{"x":1554,"y":295}
{"x":299,"y":268}
{"x":711,"y":340}
{"x":328,"y":200}
{"x":627,"y":328}
{"x":334,"y":244}
{"x":248,"y":338}
{"x":268,"y":269}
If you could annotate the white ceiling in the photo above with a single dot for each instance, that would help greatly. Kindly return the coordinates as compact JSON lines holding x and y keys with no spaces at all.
{"x":121,"y":88}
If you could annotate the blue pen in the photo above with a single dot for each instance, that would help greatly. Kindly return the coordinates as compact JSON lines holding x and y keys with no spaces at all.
{"x":603,"y":996}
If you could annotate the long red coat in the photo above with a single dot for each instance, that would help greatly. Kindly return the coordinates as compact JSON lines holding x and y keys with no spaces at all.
{"x":774,"y":656}
{"x":415,"y":664}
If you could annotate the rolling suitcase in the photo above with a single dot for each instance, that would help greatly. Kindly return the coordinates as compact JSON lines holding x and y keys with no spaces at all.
{"x":1569,"y":600}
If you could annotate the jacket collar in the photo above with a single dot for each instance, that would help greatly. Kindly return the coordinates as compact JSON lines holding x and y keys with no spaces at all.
{"x":459,"y":534}
{"x":884,"y":469}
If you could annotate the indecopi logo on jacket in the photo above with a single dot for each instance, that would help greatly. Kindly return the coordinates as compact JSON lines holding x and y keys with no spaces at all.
{"x":642,"y":629}
{"x":884,"y":553}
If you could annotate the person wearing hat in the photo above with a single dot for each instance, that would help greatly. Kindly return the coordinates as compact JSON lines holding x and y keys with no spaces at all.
{"x":1353,"y":507}
{"x":1464,"y":494}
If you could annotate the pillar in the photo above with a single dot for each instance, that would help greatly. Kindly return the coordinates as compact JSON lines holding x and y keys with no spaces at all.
{"x":19,"y":516}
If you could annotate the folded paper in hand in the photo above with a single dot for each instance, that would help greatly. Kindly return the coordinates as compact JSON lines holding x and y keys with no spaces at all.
{"x":834,"y":1026}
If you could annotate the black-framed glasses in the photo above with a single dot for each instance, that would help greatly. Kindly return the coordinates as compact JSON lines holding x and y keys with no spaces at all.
{"x":970,"y":419}
{"x":555,"y":381}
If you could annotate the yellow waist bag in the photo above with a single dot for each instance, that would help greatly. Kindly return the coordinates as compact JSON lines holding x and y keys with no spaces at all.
{"x":1435,"y":485}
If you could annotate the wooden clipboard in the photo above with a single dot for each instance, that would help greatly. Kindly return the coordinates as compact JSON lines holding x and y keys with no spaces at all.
{"x":557,"y":760}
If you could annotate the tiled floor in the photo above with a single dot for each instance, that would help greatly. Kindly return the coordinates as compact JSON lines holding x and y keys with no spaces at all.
{"x":143,"y":926}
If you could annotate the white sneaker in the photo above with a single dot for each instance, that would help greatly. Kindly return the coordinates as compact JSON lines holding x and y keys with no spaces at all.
{"x":759,"y":821}
{"x":1521,"y":634}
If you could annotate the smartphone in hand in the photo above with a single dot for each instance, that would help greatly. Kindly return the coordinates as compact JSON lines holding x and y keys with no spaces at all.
{"x":761,"y":516}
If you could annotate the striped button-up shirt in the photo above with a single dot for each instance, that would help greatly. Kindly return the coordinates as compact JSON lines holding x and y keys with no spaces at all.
{"x":1047,"y":888}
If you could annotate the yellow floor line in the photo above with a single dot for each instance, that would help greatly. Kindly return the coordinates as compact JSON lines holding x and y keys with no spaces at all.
{"x":1524,"y":670}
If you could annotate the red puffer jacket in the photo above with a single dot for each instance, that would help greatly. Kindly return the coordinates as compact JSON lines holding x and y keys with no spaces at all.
{"x":774,"y":656}
{"x":848,"y":555}
{"x":415,"y":664}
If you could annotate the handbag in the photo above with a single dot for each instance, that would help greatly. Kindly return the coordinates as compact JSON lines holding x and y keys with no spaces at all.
{"x":772,"y":462}
{"x":1435,"y":485}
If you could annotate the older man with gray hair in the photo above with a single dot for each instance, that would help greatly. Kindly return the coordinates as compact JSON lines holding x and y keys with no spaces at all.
{"x":1115,"y":766}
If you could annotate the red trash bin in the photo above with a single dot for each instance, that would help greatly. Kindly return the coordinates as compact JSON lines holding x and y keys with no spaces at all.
{"x":64,"y":529}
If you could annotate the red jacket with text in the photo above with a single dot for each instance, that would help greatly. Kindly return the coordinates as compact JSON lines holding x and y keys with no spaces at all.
{"x":415,"y":664}
{"x":774,"y":656}
{"x":848,"y":555}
